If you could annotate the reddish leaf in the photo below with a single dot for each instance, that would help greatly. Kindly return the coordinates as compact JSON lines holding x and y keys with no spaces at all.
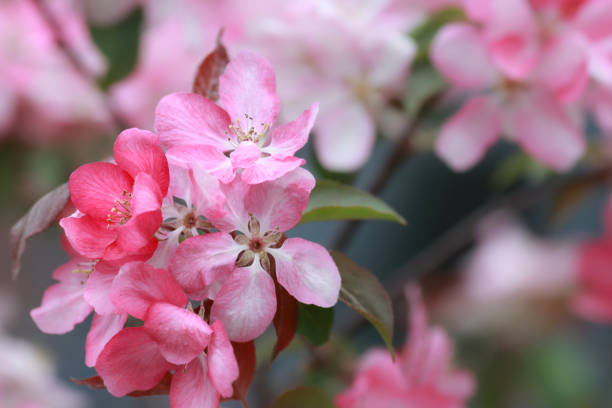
{"x":245,"y":354}
{"x":285,"y":319}
{"x":96,"y":383}
{"x":42,"y":214}
{"x":206,"y":82}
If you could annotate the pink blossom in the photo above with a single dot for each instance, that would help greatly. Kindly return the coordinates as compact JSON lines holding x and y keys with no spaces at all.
{"x":173,"y":338}
{"x":529,"y":107}
{"x":242,"y":135}
{"x":237,"y":266}
{"x":119,"y":205}
{"x":421,"y":375}
{"x":84,"y":286}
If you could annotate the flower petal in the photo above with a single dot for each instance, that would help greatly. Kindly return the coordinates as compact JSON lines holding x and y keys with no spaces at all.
{"x":138,"y":151}
{"x":139,"y":285}
{"x":248,"y":87}
{"x":98,"y":288}
{"x":291,"y":137}
{"x":131,"y":361}
{"x":546,"y":132}
{"x":222,"y":365}
{"x":88,"y":236}
{"x":307,"y":271}
{"x":460,"y":54}
{"x":246,"y":303}
{"x":191,"y":387}
{"x":187,"y":119}
{"x":245,"y":155}
{"x":279,"y":203}
{"x":180,"y":334}
{"x":62,"y":305}
{"x":209,"y":158}
{"x":103,"y":328}
{"x":200,"y":260}
{"x":467,"y":135}
{"x":94,"y":187}
{"x":208,"y":199}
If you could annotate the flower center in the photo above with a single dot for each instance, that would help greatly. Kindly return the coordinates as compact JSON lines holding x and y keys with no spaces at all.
{"x":121,"y":211}
{"x":249,"y":133}
{"x":257,"y":244}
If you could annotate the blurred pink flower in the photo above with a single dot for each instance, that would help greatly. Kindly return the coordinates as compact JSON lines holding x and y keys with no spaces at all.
{"x":421,"y":376}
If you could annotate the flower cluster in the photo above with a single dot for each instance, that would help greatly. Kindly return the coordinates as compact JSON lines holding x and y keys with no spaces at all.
{"x":419,"y":377}
{"x":194,"y":212}
{"x":528,"y":65}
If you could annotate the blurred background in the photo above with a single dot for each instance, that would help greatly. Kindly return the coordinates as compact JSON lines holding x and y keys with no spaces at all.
{"x":499,"y":248}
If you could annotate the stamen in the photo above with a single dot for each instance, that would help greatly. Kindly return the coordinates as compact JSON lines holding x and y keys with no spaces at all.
{"x":121,"y":211}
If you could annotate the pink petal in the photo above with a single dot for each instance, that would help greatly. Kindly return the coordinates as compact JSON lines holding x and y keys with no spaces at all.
{"x":62,"y":305}
{"x":139,"y":285}
{"x":146,"y":195}
{"x":117,"y":255}
{"x":94,"y":187}
{"x":131,"y":361}
{"x":87,"y":236}
{"x":200,"y":260}
{"x":209,"y":158}
{"x":103,"y":328}
{"x":236,"y":215}
{"x":307,"y":271}
{"x":186,"y":119}
{"x":138,"y":151}
{"x":467,"y":135}
{"x":191,"y":387}
{"x":98,"y":288}
{"x":180,"y":334}
{"x":563,"y":67}
{"x":595,"y":19}
{"x":222,"y":365}
{"x":291,"y":137}
{"x":246,"y":303}
{"x":344,"y":136}
{"x":460,"y":54}
{"x":279,"y":204}
{"x":248,"y":87}
{"x":270,"y":168}
{"x":208,"y":198}
{"x":546,"y":132}
{"x":245,"y":155}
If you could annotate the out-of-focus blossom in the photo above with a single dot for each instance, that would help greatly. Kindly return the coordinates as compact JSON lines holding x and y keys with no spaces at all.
{"x":36,"y":78}
{"x":508,"y":272}
{"x":421,"y":376}
{"x":352,"y":59}
{"x":594,"y":298}
{"x":27,"y":375}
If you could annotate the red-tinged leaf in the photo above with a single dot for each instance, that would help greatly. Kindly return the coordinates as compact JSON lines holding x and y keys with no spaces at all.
{"x":245,"y":354}
{"x":96,"y":383}
{"x":285,"y":319}
{"x":42,"y":214}
{"x":206,"y":82}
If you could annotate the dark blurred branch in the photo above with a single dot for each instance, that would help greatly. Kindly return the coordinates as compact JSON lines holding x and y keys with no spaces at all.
{"x":402,"y":150}
{"x":74,"y":60}
{"x":461,"y":235}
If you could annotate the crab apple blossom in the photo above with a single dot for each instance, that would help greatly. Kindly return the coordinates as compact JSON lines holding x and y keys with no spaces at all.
{"x":241,"y":136}
{"x":529,"y":110}
{"x":84,"y":286}
{"x":119,"y":205}
{"x":420,"y":377}
{"x":250,"y":251}
{"x":172,"y":338}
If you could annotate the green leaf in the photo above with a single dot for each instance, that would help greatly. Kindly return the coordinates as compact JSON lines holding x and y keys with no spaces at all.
{"x":119,"y":44}
{"x":362,"y":292}
{"x":424,"y":33}
{"x":315,"y":323}
{"x":425,"y":82}
{"x":303,"y":397}
{"x":331,"y":200}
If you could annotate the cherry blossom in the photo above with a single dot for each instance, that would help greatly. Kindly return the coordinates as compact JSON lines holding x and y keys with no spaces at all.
{"x":173,"y":337}
{"x":241,"y":136}
{"x":119,"y":205}
{"x":421,"y":375}
{"x":238,"y":261}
